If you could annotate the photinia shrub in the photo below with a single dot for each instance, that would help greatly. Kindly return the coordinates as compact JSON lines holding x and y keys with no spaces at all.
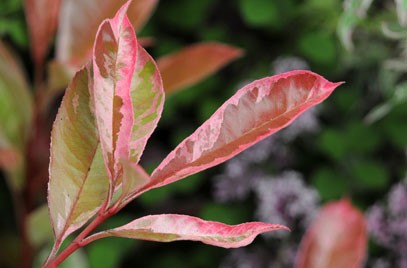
{"x":107,"y":114}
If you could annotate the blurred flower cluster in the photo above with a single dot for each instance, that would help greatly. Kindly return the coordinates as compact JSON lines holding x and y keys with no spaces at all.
{"x":387,"y":225}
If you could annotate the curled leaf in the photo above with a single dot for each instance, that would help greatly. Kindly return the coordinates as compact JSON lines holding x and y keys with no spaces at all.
{"x":194,"y":63}
{"x":253,"y":113}
{"x":173,"y":227}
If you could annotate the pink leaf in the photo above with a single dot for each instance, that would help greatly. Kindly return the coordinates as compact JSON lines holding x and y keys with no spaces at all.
{"x":42,"y":19}
{"x":192,"y":64}
{"x":172,"y":227}
{"x":114,"y":60}
{"x":253,"y":113}
{"x":79,"y":22}
{"x":147,"y":95}
{"x":337,"y":238}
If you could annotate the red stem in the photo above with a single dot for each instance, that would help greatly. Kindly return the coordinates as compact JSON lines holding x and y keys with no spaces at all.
{"x":79,"y":240}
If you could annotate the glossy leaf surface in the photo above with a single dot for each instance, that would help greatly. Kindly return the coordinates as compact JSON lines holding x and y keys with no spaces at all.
{"x":337,"y":238}
{"x":78,"y":179}
{"x":253,"y":113}
{"x":173,"y":227}
{"x":42,"y":19}
{"x":114,"y":60}
{"x":194,"y":63}
{"x":79,"y":21}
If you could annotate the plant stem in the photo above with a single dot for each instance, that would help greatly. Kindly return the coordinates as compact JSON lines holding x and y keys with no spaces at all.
{"x":79,"y":240}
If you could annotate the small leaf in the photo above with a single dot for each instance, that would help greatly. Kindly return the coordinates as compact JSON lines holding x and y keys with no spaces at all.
{"x":42,"y":18}
{"x":134,"y":177}
{"x":253,"y":113}
{"x":172,"y":227}
{"x":147,"y":96}
{"x":77,"y":28}
{"x":39,"y":228}
{"x":114,"y":60}
{"x":78,"y":179}
{"x":192,"y":64}
{"x":337,"y":238}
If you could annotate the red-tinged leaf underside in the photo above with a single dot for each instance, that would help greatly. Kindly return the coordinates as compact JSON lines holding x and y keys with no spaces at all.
{"x":192,"y":64}
{"x":172,"y":227}
{"x":253,"y":113}
{"x":42,"y":19}
{"x":79,"y":21}
{"x":337,"y":238}
{"x":113,"y":64}
{"x":147,"y":96}
{"x":78,"y":180}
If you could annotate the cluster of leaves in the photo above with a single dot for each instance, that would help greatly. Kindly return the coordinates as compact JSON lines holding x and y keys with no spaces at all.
{"x":109,"y":111}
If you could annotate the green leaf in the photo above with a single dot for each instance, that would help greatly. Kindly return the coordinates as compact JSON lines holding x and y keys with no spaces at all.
{"x":333,"y":143}
{"x":318,"y":47}
{"x":78,"y":177}
{"x":259,"y":12}
{"x":370,"y":175}
{"x":329,"y":184}
{"x":15,"y":117}
{"x":39,"y":227}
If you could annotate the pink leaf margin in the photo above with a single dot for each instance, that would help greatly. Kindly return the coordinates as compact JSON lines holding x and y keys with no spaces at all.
{"x":112,"y":86}
{"x":193,"y":155}
{"x":175,"y":227}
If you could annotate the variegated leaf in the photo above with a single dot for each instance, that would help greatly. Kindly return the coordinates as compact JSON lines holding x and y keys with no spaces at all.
{"x":173,"y":227}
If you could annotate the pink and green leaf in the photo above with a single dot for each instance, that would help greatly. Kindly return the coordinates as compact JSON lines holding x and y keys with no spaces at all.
{"x":337,"y":238}
{"x":194,"y":63}
{"x":256,"y":111}
{"x":147,"y":96}
{"x":42,"y":19}
{"x":173,"y":227}
{"x":114,"y":61}
{"x":134,"y":178}
{"x":79,"y":22}
{"x":78,"y":182}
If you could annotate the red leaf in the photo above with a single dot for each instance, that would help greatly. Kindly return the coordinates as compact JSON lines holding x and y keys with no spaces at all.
{"x":79,"y":22}
{"x":336,"y":239}
{"x":192,"y":64}
{"x":172,"y":227}
{"x":253,"y":113}
{"x":42,"y":19}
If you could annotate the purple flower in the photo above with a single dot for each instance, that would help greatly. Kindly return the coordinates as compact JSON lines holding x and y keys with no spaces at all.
{"x":285,"y":199}
{"x":236,"y":182}
{"x":387,"y":223}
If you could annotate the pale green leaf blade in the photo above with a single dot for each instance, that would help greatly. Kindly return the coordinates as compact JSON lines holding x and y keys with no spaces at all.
{"x":78,"y":178}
